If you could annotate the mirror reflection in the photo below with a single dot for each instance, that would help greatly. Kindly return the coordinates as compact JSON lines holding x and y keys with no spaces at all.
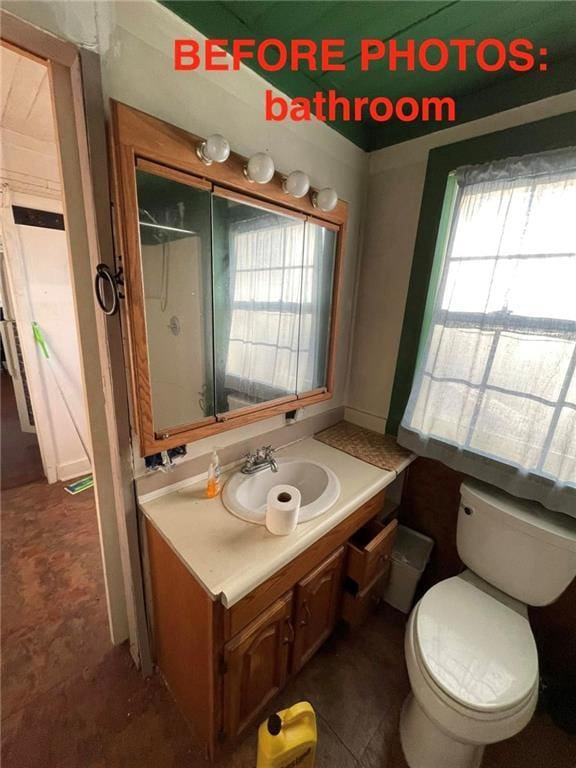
{"x":258,"y":266}
{"x":175,"y":244}
{"x":237,"y":301}
{"x":316,"y":307}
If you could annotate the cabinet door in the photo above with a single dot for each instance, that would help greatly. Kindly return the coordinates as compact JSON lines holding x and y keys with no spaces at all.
{"x":257,"y":665}
{"x":317,"y":596}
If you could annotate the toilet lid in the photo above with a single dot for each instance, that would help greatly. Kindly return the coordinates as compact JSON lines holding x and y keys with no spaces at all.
{"x":480,"y":651}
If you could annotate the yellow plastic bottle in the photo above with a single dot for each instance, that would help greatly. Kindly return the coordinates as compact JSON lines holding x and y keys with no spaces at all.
{"x":288,"y":739}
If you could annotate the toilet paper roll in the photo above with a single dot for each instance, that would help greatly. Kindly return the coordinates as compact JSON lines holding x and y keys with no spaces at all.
{"x":282,"y":508}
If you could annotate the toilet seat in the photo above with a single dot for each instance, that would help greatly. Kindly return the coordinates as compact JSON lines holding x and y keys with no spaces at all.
{"x":477,"y":650}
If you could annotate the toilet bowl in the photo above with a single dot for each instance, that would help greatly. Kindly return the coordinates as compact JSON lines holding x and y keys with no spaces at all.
{"x":473,"y":669}
{"x":470,"y":653}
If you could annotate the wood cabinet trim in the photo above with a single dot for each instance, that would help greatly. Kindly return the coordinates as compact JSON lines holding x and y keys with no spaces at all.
{"x":134,"y":292}
{"x":257,"y":407}
{"x":216,"y":427}
{"x":321,"y":223}
{"x":158,"y":169}
{"x":312,"y":393}
{"x":145,"y":141}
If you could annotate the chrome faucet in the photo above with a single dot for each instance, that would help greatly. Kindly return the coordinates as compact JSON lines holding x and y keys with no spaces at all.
{"x":261,"y":459}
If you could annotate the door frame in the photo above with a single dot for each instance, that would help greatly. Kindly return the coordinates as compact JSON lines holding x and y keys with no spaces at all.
{"x":79,"y":116}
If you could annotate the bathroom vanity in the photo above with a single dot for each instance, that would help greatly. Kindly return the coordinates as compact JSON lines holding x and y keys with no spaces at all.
{"x":237,"y":611}
{"x":232,"y":294}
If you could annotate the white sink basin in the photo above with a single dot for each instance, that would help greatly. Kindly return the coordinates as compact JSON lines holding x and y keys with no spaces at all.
{"x":245,"y":495}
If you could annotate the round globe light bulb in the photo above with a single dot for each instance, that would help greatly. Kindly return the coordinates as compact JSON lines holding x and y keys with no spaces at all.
{"x":326,"y":199}
{"x":216,"y":149}
{"x":260,"y":168}
{"x":296,"y":184}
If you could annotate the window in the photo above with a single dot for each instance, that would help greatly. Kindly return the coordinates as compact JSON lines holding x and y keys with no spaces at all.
{"x":496,"y":377}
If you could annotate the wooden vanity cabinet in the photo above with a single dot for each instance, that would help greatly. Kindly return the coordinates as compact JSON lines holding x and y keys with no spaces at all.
{"x":225,"y":665}
{"x":317,"y":602}
{"x":258,"y":661}
{"x":256,"y":665}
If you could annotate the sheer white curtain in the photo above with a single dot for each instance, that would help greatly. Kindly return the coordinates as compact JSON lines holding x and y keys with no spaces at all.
{"x":494,"y":393}
{"x":266,"y":285}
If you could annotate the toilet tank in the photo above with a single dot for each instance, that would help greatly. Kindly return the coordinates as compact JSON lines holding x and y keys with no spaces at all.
{"x":518,"y":546}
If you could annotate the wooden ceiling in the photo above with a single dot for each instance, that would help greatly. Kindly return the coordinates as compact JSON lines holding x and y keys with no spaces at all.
{"x":548,"y":23}
{"x":25,"y":106}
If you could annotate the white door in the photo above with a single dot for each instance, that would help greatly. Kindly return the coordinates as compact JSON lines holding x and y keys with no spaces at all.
{"x":40,"y":290}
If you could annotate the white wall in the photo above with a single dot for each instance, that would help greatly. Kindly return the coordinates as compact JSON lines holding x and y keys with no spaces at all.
{"x":135,"y":40}
{"x":395,"y":185}
{"x":177,"y":361}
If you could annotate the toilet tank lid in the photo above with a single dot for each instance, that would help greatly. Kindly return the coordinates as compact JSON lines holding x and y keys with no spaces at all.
{"x":532,"y":518}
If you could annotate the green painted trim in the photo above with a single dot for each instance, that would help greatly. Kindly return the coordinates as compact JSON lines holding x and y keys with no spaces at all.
{"x":499,"y":97}
{"x":450,"y":196}
{"x":552,"y":133}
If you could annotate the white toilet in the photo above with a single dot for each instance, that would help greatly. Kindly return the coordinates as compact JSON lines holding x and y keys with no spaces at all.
{"x":470,"y":652}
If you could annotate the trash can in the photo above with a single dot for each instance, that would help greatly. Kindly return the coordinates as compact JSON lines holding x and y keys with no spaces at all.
{"x":409,"y":559}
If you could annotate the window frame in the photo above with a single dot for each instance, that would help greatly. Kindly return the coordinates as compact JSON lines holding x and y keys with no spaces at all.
{"x":435,"y":211}
{"x":138,"y":140}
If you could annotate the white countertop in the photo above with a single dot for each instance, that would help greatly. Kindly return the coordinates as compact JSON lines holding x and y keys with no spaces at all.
{"x":230,"y":557}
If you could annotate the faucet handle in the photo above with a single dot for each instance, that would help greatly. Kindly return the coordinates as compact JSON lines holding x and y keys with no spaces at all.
{"x":268,"y":450}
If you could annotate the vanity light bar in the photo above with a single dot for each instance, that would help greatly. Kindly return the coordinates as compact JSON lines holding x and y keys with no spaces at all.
{"x":260,"y":169}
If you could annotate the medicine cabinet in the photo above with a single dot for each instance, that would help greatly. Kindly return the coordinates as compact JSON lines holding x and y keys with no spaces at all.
{"x":231,"y":290}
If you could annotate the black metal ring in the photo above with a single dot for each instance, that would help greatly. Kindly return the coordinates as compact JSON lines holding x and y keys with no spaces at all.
{"x":103,"y":272}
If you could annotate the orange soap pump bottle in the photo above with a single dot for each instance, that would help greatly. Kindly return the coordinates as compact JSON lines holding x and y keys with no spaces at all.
{"x":213,"y":482}
{"x":288,"y":739}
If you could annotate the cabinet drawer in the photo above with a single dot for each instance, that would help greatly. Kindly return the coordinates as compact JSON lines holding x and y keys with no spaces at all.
{"x":356,"y":608}
{"x":369,"y":551}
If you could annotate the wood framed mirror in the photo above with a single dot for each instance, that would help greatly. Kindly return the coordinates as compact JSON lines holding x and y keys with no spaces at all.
{"x":231,"y":287}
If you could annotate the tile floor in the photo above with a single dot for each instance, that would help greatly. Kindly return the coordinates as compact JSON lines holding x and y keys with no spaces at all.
{"x":71,"y":701}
